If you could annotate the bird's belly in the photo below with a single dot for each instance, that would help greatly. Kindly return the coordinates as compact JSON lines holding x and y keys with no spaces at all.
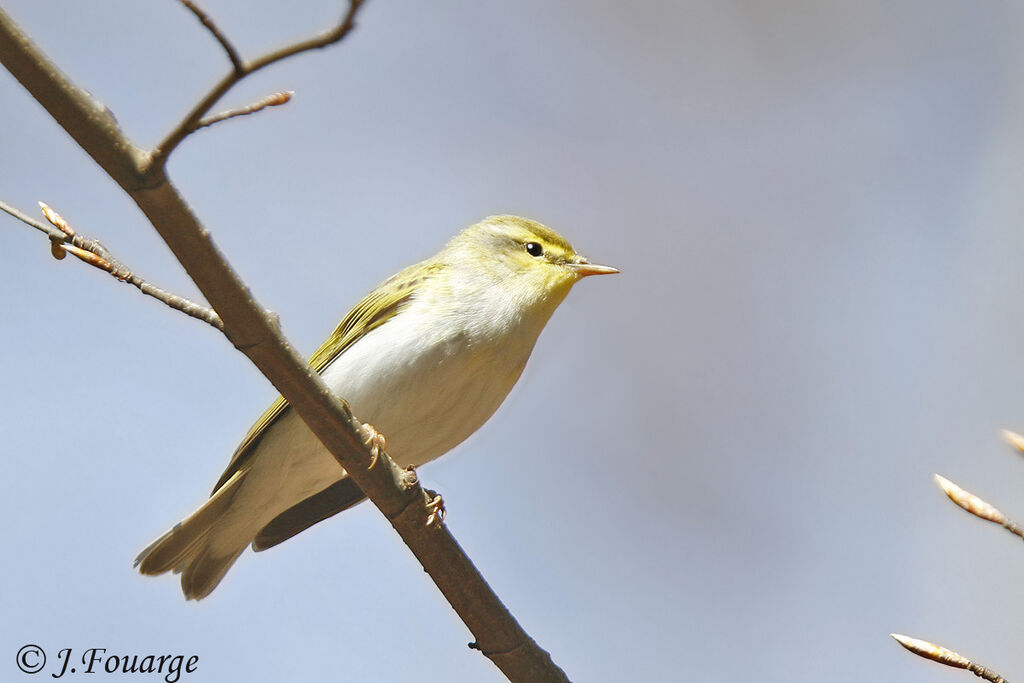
{"x":422,"y":424}
{"x":427,"y":399}
{"x":440,"y":408}
{"x":424,"y":392}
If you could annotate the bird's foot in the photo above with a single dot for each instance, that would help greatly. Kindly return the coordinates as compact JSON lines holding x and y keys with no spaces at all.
{"x":375,"y":441}
{"x":435,"y":506}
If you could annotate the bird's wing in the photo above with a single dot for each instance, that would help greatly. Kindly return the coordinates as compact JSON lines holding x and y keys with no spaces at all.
{"x":379,"y":306}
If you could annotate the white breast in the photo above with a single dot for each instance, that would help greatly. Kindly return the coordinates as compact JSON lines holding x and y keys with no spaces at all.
{"x":427,"y":390}
{"x":426,"y":379}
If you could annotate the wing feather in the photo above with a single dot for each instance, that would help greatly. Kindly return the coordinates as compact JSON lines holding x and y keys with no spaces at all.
{"x":379,"y":306}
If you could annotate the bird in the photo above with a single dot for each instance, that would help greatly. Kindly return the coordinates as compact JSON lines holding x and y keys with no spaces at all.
{"x":426,"y":358}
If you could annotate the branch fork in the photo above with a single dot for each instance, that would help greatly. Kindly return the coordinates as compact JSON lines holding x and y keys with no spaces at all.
{"x":195,"y":120}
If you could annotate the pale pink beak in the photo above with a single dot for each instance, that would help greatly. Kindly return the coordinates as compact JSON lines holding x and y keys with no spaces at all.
{"x":585,"y":268}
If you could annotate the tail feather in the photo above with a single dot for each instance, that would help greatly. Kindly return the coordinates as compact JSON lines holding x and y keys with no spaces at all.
{"x":188,"y":548}
{"x":206,"y":570}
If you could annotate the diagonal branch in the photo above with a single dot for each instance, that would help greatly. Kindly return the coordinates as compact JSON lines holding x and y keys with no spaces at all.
{"x":190,"y":123}
{"x":255,"y":333}
{"x":65,"y":240}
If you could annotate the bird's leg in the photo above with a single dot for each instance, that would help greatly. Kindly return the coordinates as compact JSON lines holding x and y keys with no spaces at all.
{"x":436,"y":508}
{"x":375,"y":441}
{"x":434,"y":504}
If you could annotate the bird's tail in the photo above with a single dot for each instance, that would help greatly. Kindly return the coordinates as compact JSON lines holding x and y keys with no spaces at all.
{"x":201,"y":548}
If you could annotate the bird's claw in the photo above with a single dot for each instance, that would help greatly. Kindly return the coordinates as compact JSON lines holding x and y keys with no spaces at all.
{"x":436,"y":508}
{"x":375,"y":441}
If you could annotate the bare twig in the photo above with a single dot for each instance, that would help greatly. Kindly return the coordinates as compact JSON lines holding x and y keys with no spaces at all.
{"x":977,"y":507}
{"x":984,"y":510}
{"x":274,"y":100}
{"x":207,"y":22}
{"x":190,"y":123}
{"x":64,"y":239}
{"x":53,"y":232}
{"x":255,"y":333}
{"x":922,"y":648}
{"x":315,"y":43}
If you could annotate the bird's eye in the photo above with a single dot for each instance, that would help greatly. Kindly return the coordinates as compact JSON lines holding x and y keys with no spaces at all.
{"x":534,"y":249}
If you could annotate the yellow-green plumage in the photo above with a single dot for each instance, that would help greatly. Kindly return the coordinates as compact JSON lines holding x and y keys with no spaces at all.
{"x":375,"y":309}
{"x":426,"y":358}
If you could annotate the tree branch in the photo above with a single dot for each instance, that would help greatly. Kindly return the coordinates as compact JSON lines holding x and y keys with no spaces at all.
{"x":191,"y":121}
{"x":207,"y":22}
{"x":273,"y":100}
{"x":255,"y":333}
{"x":63,"y":239}
{"x":85,"y":118}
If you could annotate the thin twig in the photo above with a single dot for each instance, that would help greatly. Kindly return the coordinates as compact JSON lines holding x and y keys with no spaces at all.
{"x":978,"y":507}
{"x":207,"y":22}
{"x":348,"y":22}
{"x":53,"y":232}
{"x":190,"y":123}
{"x":274,"y":100}
{"x":64,"y":239}
{"x":937,"y":653}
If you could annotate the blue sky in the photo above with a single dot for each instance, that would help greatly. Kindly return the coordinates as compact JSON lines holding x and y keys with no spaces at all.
{"x":716,"y":464}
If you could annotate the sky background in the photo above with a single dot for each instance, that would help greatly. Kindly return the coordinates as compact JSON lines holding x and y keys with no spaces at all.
{"x":716,"y":465}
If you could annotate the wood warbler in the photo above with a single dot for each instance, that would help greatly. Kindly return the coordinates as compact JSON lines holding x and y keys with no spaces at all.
{"x":426,"y":357}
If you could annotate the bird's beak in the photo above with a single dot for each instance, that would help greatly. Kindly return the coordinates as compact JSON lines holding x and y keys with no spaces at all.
{"x":585,"y":268}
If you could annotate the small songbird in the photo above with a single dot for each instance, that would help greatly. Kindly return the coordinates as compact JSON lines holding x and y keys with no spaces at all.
{"x":426,"y":358}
